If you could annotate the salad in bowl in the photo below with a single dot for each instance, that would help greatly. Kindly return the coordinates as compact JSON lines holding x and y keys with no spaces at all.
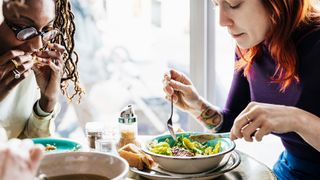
{"x":186,"y":155}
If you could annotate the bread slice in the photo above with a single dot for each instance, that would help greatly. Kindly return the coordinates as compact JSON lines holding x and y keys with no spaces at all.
{"x":134,"y":160}
{"x":136,"y":157}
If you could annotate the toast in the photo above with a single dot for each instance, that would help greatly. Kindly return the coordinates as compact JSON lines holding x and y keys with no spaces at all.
{"x":136,"y":157}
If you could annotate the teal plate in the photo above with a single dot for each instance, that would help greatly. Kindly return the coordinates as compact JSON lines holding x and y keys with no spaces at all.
{"x":62,"y":145}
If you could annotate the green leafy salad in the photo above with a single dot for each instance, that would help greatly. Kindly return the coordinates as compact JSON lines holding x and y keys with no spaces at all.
{"x":184,"y":147}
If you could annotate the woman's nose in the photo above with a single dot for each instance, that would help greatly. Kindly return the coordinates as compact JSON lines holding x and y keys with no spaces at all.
{"x":224,"y":18}
{"x":35,"y":43}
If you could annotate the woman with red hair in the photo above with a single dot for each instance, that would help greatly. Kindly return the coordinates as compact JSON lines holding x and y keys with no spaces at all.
{"x":276,"y":85}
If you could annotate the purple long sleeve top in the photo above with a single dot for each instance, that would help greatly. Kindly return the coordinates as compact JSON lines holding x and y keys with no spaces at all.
{"x":259,"y":88}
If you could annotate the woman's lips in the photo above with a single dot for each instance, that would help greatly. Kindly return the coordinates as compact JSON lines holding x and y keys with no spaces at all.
{"x":235,"y":36}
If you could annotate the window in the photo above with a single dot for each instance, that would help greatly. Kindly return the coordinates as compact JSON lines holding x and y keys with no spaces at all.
{"x":125,"y":46}
{"x":224,"y":57}
{"x":212,"y":55}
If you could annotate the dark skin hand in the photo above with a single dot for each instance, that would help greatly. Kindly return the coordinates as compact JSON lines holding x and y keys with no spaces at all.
{"x":47,"y":64}
{"x":48,"y":73}
{"x":7,"y":80}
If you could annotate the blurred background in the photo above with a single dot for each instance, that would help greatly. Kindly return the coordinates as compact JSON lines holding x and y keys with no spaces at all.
{"x":125,"y":46}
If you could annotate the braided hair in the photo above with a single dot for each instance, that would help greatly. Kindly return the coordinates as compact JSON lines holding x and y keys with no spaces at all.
{"x":65,"y":23}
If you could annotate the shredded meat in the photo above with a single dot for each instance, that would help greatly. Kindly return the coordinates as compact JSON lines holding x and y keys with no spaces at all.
{"x":181,"y":152}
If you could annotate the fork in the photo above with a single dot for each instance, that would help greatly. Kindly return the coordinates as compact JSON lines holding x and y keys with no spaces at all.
{"x":169,"y":122}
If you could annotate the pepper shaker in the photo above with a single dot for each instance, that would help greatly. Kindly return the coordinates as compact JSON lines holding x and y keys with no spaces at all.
{"x":94,"y":131}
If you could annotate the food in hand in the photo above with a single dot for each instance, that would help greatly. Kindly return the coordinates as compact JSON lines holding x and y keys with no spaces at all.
{"x":136,"y":157}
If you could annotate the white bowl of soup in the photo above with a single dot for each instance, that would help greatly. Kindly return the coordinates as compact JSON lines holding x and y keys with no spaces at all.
{"x":83,"y":165}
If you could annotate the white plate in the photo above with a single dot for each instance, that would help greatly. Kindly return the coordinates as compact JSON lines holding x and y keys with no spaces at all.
{"x":158,"y":173}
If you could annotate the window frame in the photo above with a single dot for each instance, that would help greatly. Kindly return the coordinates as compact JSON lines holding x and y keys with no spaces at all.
{"x":202,"y":51}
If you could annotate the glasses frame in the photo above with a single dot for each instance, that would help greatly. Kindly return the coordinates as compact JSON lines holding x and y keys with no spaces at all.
{"x":18,"y":31}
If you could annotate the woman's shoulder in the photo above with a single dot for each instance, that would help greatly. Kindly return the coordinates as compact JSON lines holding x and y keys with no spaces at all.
{"x":307,"y":32}
{"x":307,"y":38}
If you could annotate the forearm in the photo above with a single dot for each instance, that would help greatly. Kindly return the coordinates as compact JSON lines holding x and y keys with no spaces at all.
{"x":47,"y":104}
{"x":308,"y":127}
{"x":208,"y":115}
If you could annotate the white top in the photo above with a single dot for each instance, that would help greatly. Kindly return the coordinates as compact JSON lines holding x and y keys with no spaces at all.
{"x":17,"y":109}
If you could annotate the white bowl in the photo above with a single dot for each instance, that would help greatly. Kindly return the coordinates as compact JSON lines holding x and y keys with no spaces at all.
{"x":194,"y":164}
{"x":93,"y":163}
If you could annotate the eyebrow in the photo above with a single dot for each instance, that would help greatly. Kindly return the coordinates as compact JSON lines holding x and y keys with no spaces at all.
{"x":31,"y":20}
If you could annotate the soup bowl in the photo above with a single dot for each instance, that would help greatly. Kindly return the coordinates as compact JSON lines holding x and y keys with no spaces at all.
{"x":187,"y":164}
{"x":60,"y":166}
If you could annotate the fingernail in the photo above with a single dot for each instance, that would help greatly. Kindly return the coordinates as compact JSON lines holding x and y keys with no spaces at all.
{"x":175,"y":99}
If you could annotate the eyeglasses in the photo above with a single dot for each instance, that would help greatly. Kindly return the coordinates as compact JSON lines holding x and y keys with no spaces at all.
{"x":27,"y":33}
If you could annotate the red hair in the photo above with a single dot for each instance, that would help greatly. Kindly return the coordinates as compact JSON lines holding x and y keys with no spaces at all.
{"x":286,"y":16}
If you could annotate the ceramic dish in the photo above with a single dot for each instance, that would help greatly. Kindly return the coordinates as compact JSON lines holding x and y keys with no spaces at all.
{"x":195,"y":164}
{"x":63,"y":165}
{"x":158,"y":173}
{"x":61,"y":145}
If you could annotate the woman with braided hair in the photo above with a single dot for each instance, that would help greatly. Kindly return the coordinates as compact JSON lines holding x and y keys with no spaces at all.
{"x":37,"y":60}
{"x":18,"y":158}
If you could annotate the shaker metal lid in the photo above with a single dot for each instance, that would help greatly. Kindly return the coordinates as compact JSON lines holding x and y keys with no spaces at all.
{"x":94,"y":127}
{"x":127,"y":120}
{"x":127,"y":112}
{"x":127,"y":115}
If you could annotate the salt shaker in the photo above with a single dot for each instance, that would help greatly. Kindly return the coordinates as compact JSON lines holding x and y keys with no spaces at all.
{"x":128,"y":127}
{"x":94,"y":131}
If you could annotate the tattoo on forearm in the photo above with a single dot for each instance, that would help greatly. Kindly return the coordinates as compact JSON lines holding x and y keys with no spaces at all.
{"x":210,"y":117}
